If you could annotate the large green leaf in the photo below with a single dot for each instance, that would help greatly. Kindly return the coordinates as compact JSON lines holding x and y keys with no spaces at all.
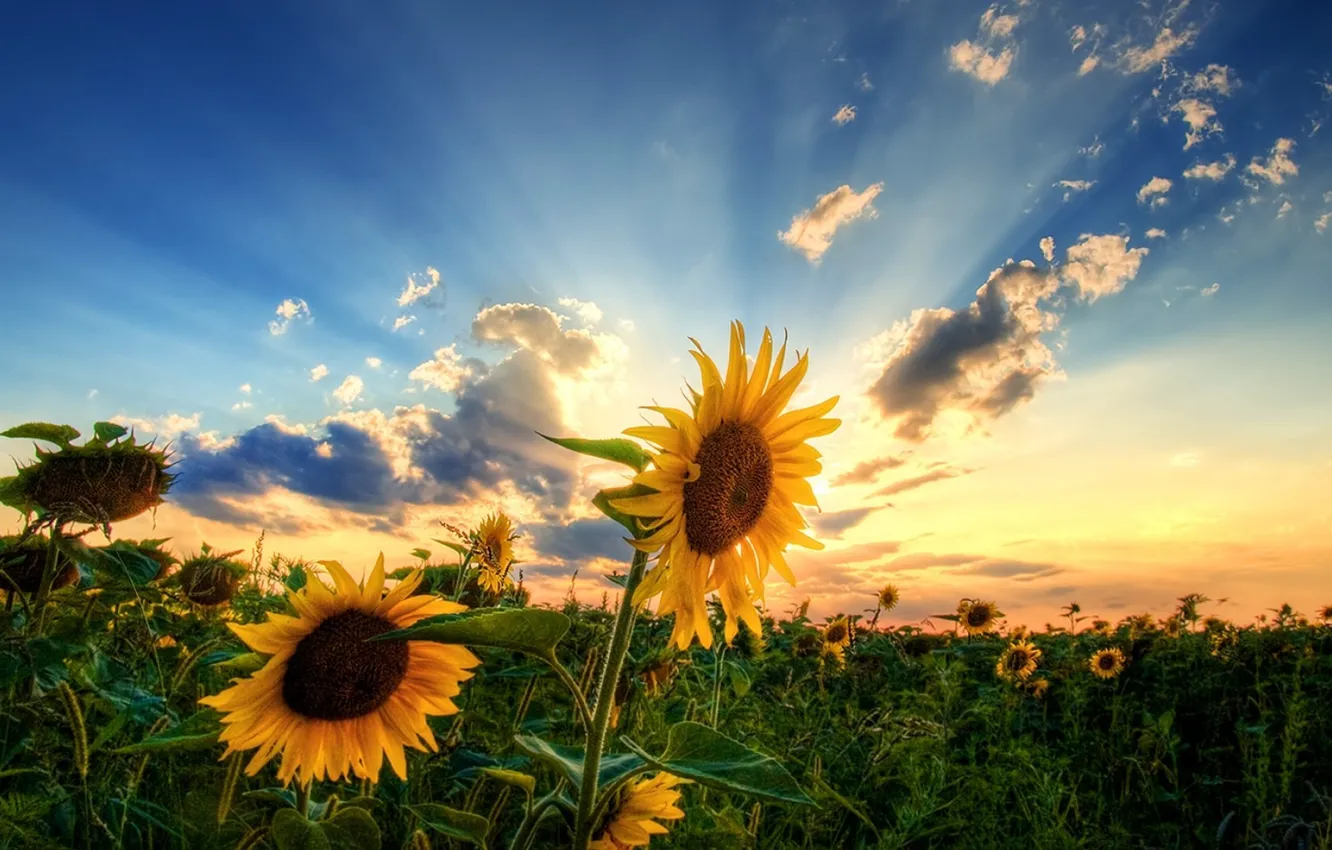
{"x":618,"y":449}
{"x":533,"y":630}
{"x":120,"y":562}
{"x":348,"y":829}
{"x":568,"y":761}
{"x":708,"y":757}
{"x":198,"y":731}
{"x":61,"y":435}
{"x":603,"y":502}
{"x":108,"y":431}
{"x":461,"y":825}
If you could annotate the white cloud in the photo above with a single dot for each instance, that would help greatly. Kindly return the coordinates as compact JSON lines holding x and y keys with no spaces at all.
{"x":171,"y":425}
{"x":1093,"y":150}
{"x":864,"y":83}
{"x":402,"y":322}
{"x":1201,"y":118}
{"x":1167,"y":44}
{"x":1278,"y":165}
{"x":92,"y":393}
{"x":288,"y":311}
{"x":1185,"y":460}
{"x":1211,"y":170}
{"x":349,"y":390}
{"x":1215,"y":78}
{"x":1154,"y":191}
{"x":627,"y":325}
{"x":374,"y":362}
{"x":997,"y":25}
{"x":241,"y":405}
{"x":811,"y":232}
{"x":1075,"y":186}
{"x":588,"y":311}
{"x":1156,"y":233}
{"x":280,"y":422}
{"x":445,"y":372}
{"x":980,"y":62}
{"x":845,"y":115}
{"x":419,"y":286}
{"x":1048,"y":248}
{"x":246,"y":389}
{"x":1077,"y":36}
{"x":1320,"y":224}
{"x":319,"y":372}
{"x":1208,"y":291}
{"x":1285,"y":209}
{"x":1087,"y":65}
{"x":1101,"y":265}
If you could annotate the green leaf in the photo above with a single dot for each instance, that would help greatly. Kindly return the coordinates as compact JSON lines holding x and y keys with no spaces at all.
{"x":421,"y":554}
{"x":108,"y":431}
{"x":61,"y":435}
{"x":464,"y":826}
{"x":708,"y":757}
{"x":618,"y":449}
{"x":121,"y":562}
{"x":457,"y":547}
{"x":348,"y":829}
{"x":296,"y":577}
{"x":245,"y":662}
{"x":198,"y":731}
{"x":532,"y":630}
{"x":568,"y":761}
{"x":603,"y":502}
{"x":10,"y":492}
{"x":739,"y":676}
{"x":512,"y":777}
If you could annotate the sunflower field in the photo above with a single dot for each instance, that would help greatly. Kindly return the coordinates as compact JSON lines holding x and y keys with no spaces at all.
{"x":156,"y":697}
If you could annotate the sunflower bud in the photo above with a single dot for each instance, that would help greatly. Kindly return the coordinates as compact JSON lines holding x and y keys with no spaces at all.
{"x":211,"y":579}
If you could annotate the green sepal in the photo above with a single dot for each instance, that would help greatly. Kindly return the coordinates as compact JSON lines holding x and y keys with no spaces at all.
{"x":619,"y":450}
{"x":603,"y":502}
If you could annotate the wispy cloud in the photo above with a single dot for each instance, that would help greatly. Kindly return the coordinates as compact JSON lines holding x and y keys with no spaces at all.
{"x":1154,"y":191}
{"x":289,"y":311}
{"x":844,"y":115}
{"x":1211,"y":170}
{"x":1278,"y":165}
{"x":1167,"y":43}
{"x":319,"y":373}
{"x":868,"y":471}
{"x":419,"y":286}
{"x":812,"y":231}
{"x":349,"y":390}
{"x":588,"y":312}
{"x":1201,"y":118}
{"x":917,"y":481}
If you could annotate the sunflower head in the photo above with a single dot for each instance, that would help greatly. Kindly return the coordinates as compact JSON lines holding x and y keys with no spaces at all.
{"x":23,"y":561}
{"x":1172,"y":626}
{"x":838,"y":632}
{"x":1018,"y":633}
{"x":833,"y":652}
{"x":977,"y":616}
{"x":805,"y":643}
{"x":494,"y":543}
{"x":727,"y":477}
{"x":1107,"y":663}
{"x":98,"y":483}
{"x":1037,"y":687}
{"x":1018,"y":661}
{"x":889,"y":597}
{"x":633,"y":820}
{"x":211,"y":578}
{"x":331,"y":699}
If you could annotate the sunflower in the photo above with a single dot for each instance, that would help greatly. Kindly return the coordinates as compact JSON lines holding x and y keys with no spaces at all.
{"x":330,"y":701}
{"x":211,"y":578}
{"x":728,"y":476}
{"x":641,"y":805}
{"x":1325,"y":613}
{"x":977,"y":616}
{"x":494,"y":546}
{"x":1018,"y":661}
{"x":889,"y":597}
{"x":838,"y":632}
{"x":23,"y":563}
{"x":1107,"y":663}
{"x":1037,"y":687}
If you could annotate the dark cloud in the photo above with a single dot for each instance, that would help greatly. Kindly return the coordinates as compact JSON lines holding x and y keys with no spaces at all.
{"x":836,"y":523}
{"x":581,"y":540}
{"x":866,"y":472}
{"x":920,"y":481}
{"x":1016,"y":570}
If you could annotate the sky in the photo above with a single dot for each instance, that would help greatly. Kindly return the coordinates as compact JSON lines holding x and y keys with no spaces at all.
{"x":1066,"y":266}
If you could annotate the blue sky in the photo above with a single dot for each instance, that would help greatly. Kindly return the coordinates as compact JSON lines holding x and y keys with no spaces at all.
{"x":171,"y":177}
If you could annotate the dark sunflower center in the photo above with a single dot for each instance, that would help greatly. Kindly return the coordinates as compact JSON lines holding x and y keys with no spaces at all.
{"x":334,"y":674}
{"x":978,"y":616}
{"x":836,"y":634}
{"x":734,"y":482}
{"x":1107,"y":662}
{"x":1017,"y":659}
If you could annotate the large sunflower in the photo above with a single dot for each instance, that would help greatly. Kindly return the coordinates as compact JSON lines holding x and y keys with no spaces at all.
{"x":634,"y":821}
{"x":978,"y":616}
{"x":330,"y":701}
{"x":728,"y":476}
{"x":494,"y":542}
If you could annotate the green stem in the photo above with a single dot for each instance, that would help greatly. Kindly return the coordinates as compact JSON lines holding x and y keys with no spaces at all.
{"x":461,"y":583}
{"x":527,"y":829}
{"x":580,"y":701}
{"x":610,"y":675}
{"x":303,"y":798}
{"x":38,"y":621}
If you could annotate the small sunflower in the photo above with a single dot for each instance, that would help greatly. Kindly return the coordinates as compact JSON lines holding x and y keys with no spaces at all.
{"x":1018,"y":661}
{"x":889,"y":597}
{"x":977,"y":616}
{"x":838,"y":632}
{"x":211,"y":578}
{"x":331,"y":701}
{"x":1019,"y":633}
{"x":1325,"y":613}
{"x":728,"y":476}
{"x":1037,"y":687}
{"x":835,"y":651}
{"x":641,"y":805}
{"x":1107,"y":663}
{"x":494,"y":548}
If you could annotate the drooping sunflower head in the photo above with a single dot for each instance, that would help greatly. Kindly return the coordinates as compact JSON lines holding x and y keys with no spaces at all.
{"x":23,"y":561}
{"x":98,"y":483}
{"x":1172,"y":626}
{"x":1037,"y":687}
{"x":889,"y":597}
{"x":1018,"y":661}
{"x":333,"y":701}
{"x":634,"y":819}
{"x":1107,"y":663}
{"x":1325,"y":613}
{"x":977,"y":616}
{"x":728,"y":475}
{"x":838,"y":632}
{"x":211,"y":578}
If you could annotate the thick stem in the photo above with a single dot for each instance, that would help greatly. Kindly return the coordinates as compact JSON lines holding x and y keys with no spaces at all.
{"x":303,"y":797}
{"x":38,"y":621}
{"x":610,"y":676}
{"x":580,"y":701}
{"x":527,"y":829}
{"x":460,"y":583}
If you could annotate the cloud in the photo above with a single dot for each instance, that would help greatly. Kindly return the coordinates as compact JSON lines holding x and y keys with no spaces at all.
{"x":1211,"y":170}
{"x":867,"y":471}
{"x":419,"y":286}
{"x":246,"y":389}
{"x":1093,"y":150}
{"x":92,"y":393}
{"x":1077,"y":36}
{"x":349,"y":390}
{"x":997,"y":25}
{"x":980,"y":62}
{"x":241,"y":405}
{"x":1075,"y":186}
{"x":834,"y":524}
{"x":1154,"y":191}
{"x":1185,"y":460}
{"x":1156,"y":233}
{"x":1048,"y":248}
{"x":1320,"y":225}
{"x":1101,"y":265}
{"x":811,"y":232}
{"x":402,"y":322}
{"x":1167,"y":44}
{"x":1211,"y":290}
{"x":166,"y":427}
{"x":578,"y":542}
{"x":845,"y":115}
{"x":1278,"y":165}
{"x":982,"y":361}
{"x":445,"y":372}
{"x":1285,"y":209}
{"x":1213,"y":78}
{"x":1201,"y":118}
{"x":864,"y":83}
{"x":1088,"y":64}
{"x":287,"y":312}
{"x":538,"y":329}
{"x":941,"y":474}
{"x":627,"y":325}
{"x":587,"y":311}
{"x":319,"y":373}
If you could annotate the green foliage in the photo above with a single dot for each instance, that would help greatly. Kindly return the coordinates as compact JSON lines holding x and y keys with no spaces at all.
{"x":531,"y":630}
{"x":464,"y":826}
{"x":704,"y":755}
{"x":618,"y":450}
{"x":348,"y":829}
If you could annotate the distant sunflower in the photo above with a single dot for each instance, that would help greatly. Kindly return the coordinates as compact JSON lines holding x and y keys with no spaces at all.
{"x":1037,"y":687}
{"x":1018,"y":661}
{"x":1325,"y":613}
{"x":838,"y":632}
{"x":889,"y":597}
{"x":641,"y":805}
{"x":728,"y":475}
{"x":332,"y":702}
{"x":1107,"y":663}
{"x":977,"y":616}
{"x":494,"y":542}
{"x":23,"y":562}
